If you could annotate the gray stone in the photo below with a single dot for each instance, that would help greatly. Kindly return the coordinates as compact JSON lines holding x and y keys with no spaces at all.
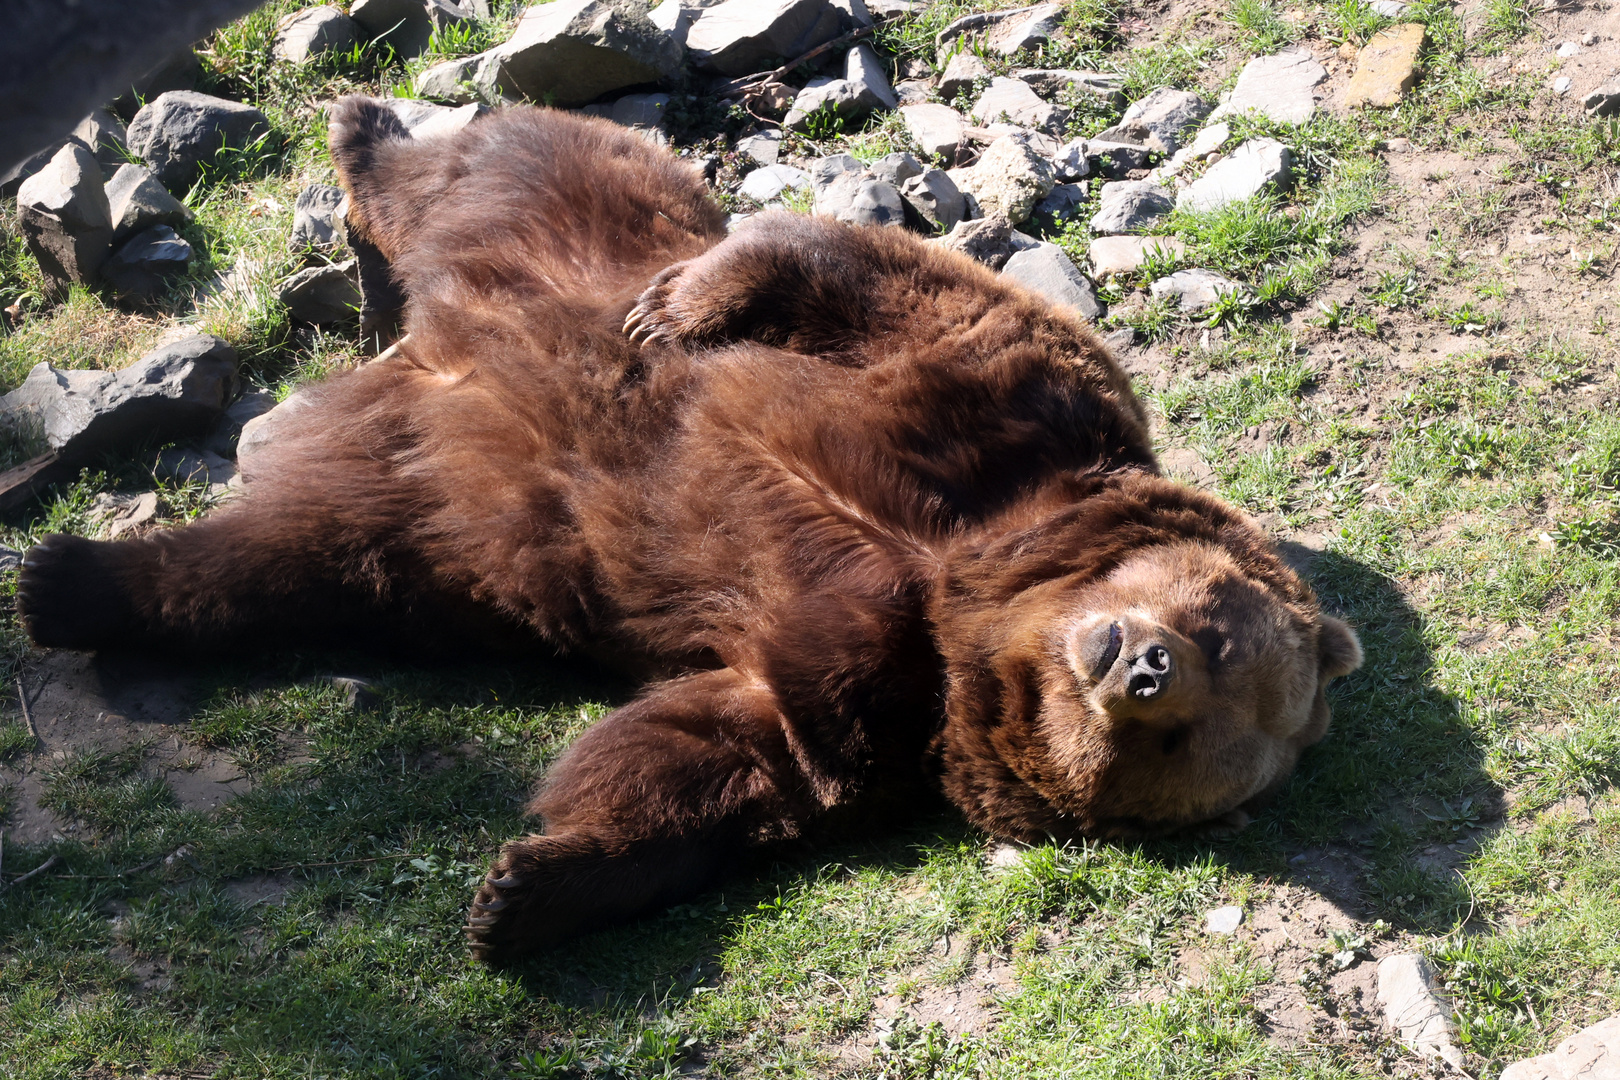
{"x":896,"y":169}
{"x":1013,"y":101}
{"x":896,"y":9}
{"x":1050,"y":82}
{"x":740,"y":37}
{"x":424,"y":120}
{"x":176,"y":133}
{"x":913,"y":91}
{"x":408,"y":25}
{"x":1604,"y":101}
{"x":1026,"y":29}
{"x":761,"y":148}
{"x":322,"y":294}
{"x":1247,"y":171}
{"x":268,"y":428}
{"x":193,"y":466}
{"x":824,"y":171}
{"x":1009,"y":178}
{"x":223,"y":438}
{"x":935,"y":200}
{"x":961,"y":72}
{"x":312,"y":31}
{"x":990,"y":240}
{"x":769,"y":183}
{"x":314,"y":219}
{"x":570,"y":52}
{"x":1115,"y":160}
{"x":1278,"y":87}
{"x":640,"y":110}
{"x":63,"y":215}
{"x":1223,"y":920}
{"x":1129,"y":205}
{"x":123,"y":514}
{"x":1062,"y":202}
{"x":142,"y":267}
{"x":1210,"y":139}
{"x":1593,"y":1053}
{"x":171,"y":392}
{"x":1047,"y":270}
{"x":103,"y":135}
{"x":862,"y":90}
{"x":1389,"y":9}
{"x":860,"y":200}
{"x":1158,"y":120}
{"x":674,"y":17}
{"x":1110,"y":255}
{"x":1194,"y":290}
{"x":13,"y":177}
{"x":454,"y":80}
{"x":1414,"y":1009}
{"x":1071,"y":161}
{"x":137,"y":201}
{"x":936,"y":129}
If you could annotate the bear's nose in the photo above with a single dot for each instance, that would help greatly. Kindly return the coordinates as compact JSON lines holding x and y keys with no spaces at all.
{"x":1151,"y":673}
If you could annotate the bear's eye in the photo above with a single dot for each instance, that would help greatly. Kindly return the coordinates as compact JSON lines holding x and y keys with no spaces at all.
{"x":1211,"y":642}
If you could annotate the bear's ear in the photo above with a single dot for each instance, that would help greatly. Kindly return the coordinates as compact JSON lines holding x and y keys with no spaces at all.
{"x":1341,"y":649}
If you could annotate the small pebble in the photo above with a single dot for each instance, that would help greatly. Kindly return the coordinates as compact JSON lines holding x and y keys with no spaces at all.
{"x":1562,"y":84}
{"x":1568,"y":49}
{"x":1589,"y":39}
{"x":1223,"y":920}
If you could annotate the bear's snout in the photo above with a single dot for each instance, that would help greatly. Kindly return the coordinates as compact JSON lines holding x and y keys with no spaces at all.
{"x":1152,"y":672}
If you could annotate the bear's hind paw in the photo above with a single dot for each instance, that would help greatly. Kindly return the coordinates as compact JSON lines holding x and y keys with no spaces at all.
{"x":651,"y":321}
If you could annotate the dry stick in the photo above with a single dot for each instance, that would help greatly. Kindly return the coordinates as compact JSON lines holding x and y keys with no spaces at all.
{"x":774,"y":76}
{"x":389,"y":352}
{"x":40,"y":869}
{"x":28,"y":717}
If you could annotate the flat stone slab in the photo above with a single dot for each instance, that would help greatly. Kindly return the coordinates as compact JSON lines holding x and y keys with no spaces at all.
{"x":1278,"y":86}
{"x":1158,"y":120}
{"x":739,"y":37}
{"x":1414,"y":1009}
{"x":1590,"y":1054}
{"x":1017,"y":102}
{"x":1047,"y":270}
{"x":764,"y":185}
{"x":570,"y":52}
{"x":1128,"y":205}
{"x":301,"y":35}
{"x":936,"y":128}
{"x":1194,"y":291}
{"x":1251,"y":168}
{"x":1110,"y":255}
{"x":1386,"y":67}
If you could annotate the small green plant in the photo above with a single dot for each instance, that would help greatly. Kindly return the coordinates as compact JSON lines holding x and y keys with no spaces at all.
{"x":1230,"y":308}
{"x":546,"y":1065}
{"x":14,"y":740}
{"x":1397,"y":289}
{"x":1470,"y":319}
{"x":823,"y":123}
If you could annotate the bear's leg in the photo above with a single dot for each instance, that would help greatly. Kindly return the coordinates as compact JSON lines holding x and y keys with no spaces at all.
{"x":650,"y":806}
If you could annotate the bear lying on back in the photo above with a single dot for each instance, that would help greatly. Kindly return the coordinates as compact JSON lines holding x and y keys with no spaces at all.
{"x":864,"y":511}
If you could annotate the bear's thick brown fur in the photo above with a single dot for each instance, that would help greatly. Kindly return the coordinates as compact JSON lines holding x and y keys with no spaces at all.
{"x":867,"y":510}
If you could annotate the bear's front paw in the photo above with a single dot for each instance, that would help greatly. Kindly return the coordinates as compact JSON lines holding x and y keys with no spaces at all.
{"x":651,"y":321}
{"x":528,"y":901}
{"x":69,"y":598}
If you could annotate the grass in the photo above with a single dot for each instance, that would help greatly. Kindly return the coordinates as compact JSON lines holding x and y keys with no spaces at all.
{"x":1461,"y":508}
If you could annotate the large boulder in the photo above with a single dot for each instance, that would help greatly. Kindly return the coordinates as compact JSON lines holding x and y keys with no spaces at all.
{"x":740,"y":37}
{"x":182,"y":129}
{"x":453,"y":80}
{"x":104,"y":135}
{"x":569,"y":52}
{"x":145,"y":264}
{"x":408,"y":25}
{"x":63,"y":214}
{"x":138,"y":202}
{"x":309,"y":32}
{"x":323,"y":294}
{"x":937,"y":204}
{"x":177,"y":390}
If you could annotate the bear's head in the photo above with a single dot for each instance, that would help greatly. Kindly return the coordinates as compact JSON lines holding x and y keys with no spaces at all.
{"x":1137,"y":661}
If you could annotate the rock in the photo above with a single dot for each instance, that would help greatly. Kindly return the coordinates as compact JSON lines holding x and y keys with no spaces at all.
{"x":640,"y":110}
{"x":963,"y":70}
{"x":862,"y":90}
{"x":1009,"y":178}
{"x":312,"y":31}
{"x":990,"y":240}
{"x":673,"y":18}
{"x":769,"y":183}
{"x":570,"y":52}
{"x":1013,"y":101}
{"x":1194,"y":290}
{"x":825,"y":171}
{"x":174,"y":391}
{"x":1389,"y":9}
{"x":13,"y":177}
{"x":454,"y":80}
{"x":63,"y":215}
{"x":1122,"y":338}
{"x":1115,"y":160}
{"x":314,"y":225}
{"x":1157,"y":120}
{"x":408,"y":25}
{"x":936,"y":129}
{"x":10,"y":559}
{"x":1029,"y":28}
{"x":1070,"y":162}
{"x":188,"y":466}
{"x":913,"y":91}
{"x":424,"y":120}
{"x":1110,"y":255}
{"x":860,"y":200}
{"x":121,"y":514}
{"x":1062,"y":202}
{"x":359,"y":695}
{"x":1130,"y":205}
{"x":1047,"y":270}
{"x":1210,"y":140}
{"x":142,"y":267}
{"x":182,"y":129}
{"x":103,"y":135}
{"x":740,"y":37}
{"x":222,"y":440}
{"x":1278,"y":87}
{"x":1567,"y":50}
{"x":1050,"y":82}
{"x":1562,"y":84}
{"x":1414,"y":1009}
{"x":762,"y":148}
{"x":1604,"y":101}
{"x":935,"y":200}
{"x":1223,"y":920}
{"x":267,"y":428}
{"x":1592,"y":1053}
{"x":322,"y":294}
{"x":1386,"y":67}
{"x":896,"y":169}
{"x":137,"y":201}
{"x":1247,"y":171}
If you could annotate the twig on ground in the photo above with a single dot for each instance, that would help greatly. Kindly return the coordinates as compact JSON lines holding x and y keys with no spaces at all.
{"x":762,"y":77}
{"x":35,"y":872}
{"x":28,"y":717}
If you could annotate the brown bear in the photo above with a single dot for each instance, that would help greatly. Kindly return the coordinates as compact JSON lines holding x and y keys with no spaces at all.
{"x":866,"y":511}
